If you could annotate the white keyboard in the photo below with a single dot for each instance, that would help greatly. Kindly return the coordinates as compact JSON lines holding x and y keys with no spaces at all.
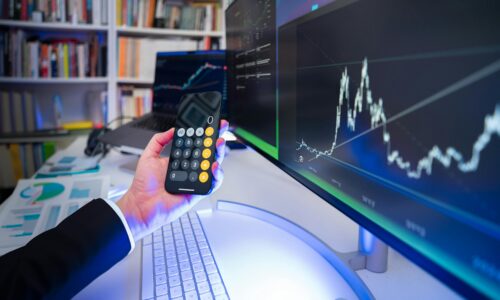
{"x":177,"y":263}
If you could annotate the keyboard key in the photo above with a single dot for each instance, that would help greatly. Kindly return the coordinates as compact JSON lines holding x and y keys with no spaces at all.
{"x":218,"y":289}
{"x":178,"y":175}
{"x":164,"y":297}
{"x":161,"y":289}
{"x":173,"y":271}
{"x":211,"y":268}
{"x":176,"y":291}
{"x":174,"y":280}
{"x":160,"y":269}
{"x":171,"y":262}
{"x":197,"y":267}
{"x":203,"y":287}
{"x":188,"y":285}
{"x":193,"y":251}
{"x":170,"y":254}
{"x":202,"y":245}
{"x":195,"y":258}
{"x":206,"y":296}
{"x":205,"y":252}
{"x":183,"y":257}
{"x":191,"y":295}
{"x":186,"y":275}
{"x":158,"y":246}
{"x":200,"y":276}
{"x":190,"y":131}
{"x":161,"y":279}
{"x":147,"y":272}
{"x":158,"y":253}
{"x":208,"y":260}
{"x":185,"y":266}
{"x":214,"y":278}
{"x":159,"y":261}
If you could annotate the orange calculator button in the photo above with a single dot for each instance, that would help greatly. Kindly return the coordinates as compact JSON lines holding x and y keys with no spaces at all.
{"x":205,"y":165}
{"x":206,"y":153}
{"x":203,"y":177}
{"x":209,"y":131}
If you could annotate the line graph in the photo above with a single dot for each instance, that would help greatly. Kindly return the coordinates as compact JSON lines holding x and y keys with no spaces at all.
{"x":192,"y":80}
{"x":378,"y":118}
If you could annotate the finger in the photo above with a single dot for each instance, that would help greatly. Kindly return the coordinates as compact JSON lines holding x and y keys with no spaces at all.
{"x":220,"y":150}
{"x":218,"y":176}
{"x":158,"y":142}
{"x":224,"y":126}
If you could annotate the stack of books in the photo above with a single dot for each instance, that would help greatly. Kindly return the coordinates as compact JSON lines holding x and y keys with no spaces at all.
{"x":63,"y":11}
{"x":172,"y":14}
{"x":137,"y":56}
{"x":135,"y":102}
{"x":29,"y":56}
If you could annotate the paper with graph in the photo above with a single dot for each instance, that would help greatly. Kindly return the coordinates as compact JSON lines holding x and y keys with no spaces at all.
{"x":37,"y":205}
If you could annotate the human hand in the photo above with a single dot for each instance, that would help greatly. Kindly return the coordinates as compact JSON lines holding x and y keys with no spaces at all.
{"x":147,"y":205}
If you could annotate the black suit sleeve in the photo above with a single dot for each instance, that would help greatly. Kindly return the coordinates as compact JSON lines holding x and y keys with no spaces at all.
{"x":60,"y":262}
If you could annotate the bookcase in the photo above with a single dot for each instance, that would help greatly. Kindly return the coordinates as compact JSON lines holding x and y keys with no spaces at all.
{"x":73,"y":91}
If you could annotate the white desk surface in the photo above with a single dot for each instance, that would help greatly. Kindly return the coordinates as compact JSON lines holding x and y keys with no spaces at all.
{"x":251,"y":179}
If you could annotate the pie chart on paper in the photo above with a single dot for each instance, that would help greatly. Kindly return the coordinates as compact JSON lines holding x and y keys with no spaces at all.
{"x":40,"y":192}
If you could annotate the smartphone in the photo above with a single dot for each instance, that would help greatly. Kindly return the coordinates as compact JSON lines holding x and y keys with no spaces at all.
{"x":193,"y":149}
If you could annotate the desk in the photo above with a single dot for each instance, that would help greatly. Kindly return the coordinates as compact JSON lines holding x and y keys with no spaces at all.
{"x":252,"y":180}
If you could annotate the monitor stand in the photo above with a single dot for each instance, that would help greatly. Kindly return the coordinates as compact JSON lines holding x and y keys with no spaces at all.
{"x":372,"y":253}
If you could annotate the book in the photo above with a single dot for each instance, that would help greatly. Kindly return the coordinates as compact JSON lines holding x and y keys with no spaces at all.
{"x":6,"y":113}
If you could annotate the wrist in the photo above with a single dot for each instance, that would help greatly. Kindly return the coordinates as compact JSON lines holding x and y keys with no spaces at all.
{"x":132,"y":215}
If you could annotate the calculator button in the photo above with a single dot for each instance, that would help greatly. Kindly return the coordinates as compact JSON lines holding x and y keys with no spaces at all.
{"x":185,"y":164}
{"x":198,"y":142}
{"x":195,"y":164}
{"x":179,"y":143}
{"x":177,"y":153}
{"x":196,"y":153}
{"x":206,"y":153}
{"x":207,"y":142}
{"x":186,"y":153}
{"x":181,"y":132}
{"x":188,"y":142}
{"x":209,"y":131}
{"x":178,"y":175}
{"x":193,"y":176}
{"x":205,"y":165}
{"x":203,"y":177}
{"x":175,"y":164}
{"x":190,"y":132}
{"x":199,"y":131}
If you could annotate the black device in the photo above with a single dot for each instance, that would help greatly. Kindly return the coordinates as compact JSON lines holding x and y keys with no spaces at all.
{"x":193,"y":148}
{"x":94,"y":146}
{"x":176,"y":73}
{"x":388,"y":110}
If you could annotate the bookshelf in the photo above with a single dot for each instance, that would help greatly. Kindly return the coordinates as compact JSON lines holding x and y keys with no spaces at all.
{"x":37,"y":81}
{"x":112,"y":32}
{"x":55,"y":26}
{"x":159,"y":32}
{"x":73,"y":90}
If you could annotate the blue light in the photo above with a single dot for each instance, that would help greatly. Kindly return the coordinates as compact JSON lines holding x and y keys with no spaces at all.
{"x":314,"y":7}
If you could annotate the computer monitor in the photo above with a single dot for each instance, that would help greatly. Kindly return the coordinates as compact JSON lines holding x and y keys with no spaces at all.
{"x":390,"y":111}
{"x":178,"y":73}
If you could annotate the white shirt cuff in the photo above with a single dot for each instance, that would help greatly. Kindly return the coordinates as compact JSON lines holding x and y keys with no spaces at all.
{"x":125,"y":224}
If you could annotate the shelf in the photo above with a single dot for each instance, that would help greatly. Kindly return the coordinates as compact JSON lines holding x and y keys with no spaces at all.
{"x":28,"y":80}
{"x":161,"y":32}
{"x":44,"y":137}
{"x":137,"y":81}
{"x":53,"y":26}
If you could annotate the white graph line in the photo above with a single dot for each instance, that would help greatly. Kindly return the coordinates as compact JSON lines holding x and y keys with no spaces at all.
{"x":378,"y":118}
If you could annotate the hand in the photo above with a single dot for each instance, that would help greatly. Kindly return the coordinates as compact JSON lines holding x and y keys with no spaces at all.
{"x":147,"y":205}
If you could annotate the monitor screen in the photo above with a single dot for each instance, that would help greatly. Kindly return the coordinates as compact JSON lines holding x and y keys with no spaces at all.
{"x":390,"y":111}
{"x":179,"y":73}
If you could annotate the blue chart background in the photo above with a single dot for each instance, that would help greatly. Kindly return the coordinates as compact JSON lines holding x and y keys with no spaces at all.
{"x":414,"y":51}
{"x":177,"y":69}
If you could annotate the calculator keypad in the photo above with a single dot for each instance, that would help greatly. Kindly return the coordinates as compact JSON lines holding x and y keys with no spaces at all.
{"x":191,"y":153}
